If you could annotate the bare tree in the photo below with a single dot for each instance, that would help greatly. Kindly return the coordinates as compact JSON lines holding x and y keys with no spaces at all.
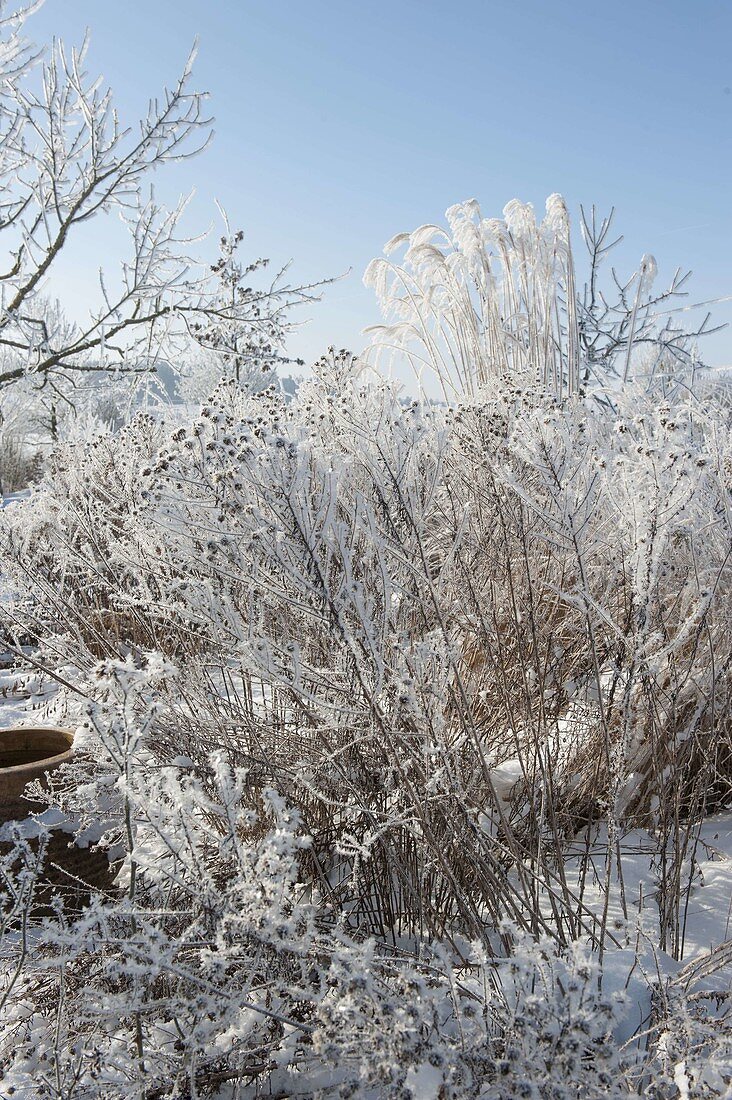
{"x":65,"y":158}
{"x":613,"y":322}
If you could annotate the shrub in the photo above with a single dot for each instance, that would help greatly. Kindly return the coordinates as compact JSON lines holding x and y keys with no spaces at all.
{"x":420,"y":649}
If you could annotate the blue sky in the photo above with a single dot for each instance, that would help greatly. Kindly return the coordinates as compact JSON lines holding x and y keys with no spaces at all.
{"x":339,"y":124}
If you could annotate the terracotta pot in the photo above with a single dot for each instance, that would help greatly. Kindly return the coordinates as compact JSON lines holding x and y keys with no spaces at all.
{"x":28,"y":753}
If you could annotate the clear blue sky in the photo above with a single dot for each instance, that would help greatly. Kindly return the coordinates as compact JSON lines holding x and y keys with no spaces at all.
{"x":339,"y":123}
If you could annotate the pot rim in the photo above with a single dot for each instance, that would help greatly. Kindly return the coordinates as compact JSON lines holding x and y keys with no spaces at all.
{"x":44,"y":762}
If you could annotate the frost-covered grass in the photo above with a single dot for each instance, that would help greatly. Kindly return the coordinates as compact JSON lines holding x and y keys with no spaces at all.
{"x":407,"y":724}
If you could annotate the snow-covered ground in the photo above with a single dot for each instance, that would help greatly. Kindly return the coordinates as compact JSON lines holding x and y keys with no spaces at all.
{"x":26,"y":695}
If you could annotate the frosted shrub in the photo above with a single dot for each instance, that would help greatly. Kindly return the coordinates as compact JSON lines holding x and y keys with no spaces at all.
{"x":18,"y":465}
{"x":207,"y":964}
{"x":690,"y":1045}
{"x":81,"y":532}
{"x":556,"y":1026}
{"x":414,"y":650}
{"x":216,"y":963}
{"x":381,"y":604}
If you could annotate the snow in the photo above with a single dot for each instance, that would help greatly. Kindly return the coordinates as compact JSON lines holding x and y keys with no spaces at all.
{"x":425,"y":1082}
{"x":27,"y":697}
{"x":13,"y":498}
